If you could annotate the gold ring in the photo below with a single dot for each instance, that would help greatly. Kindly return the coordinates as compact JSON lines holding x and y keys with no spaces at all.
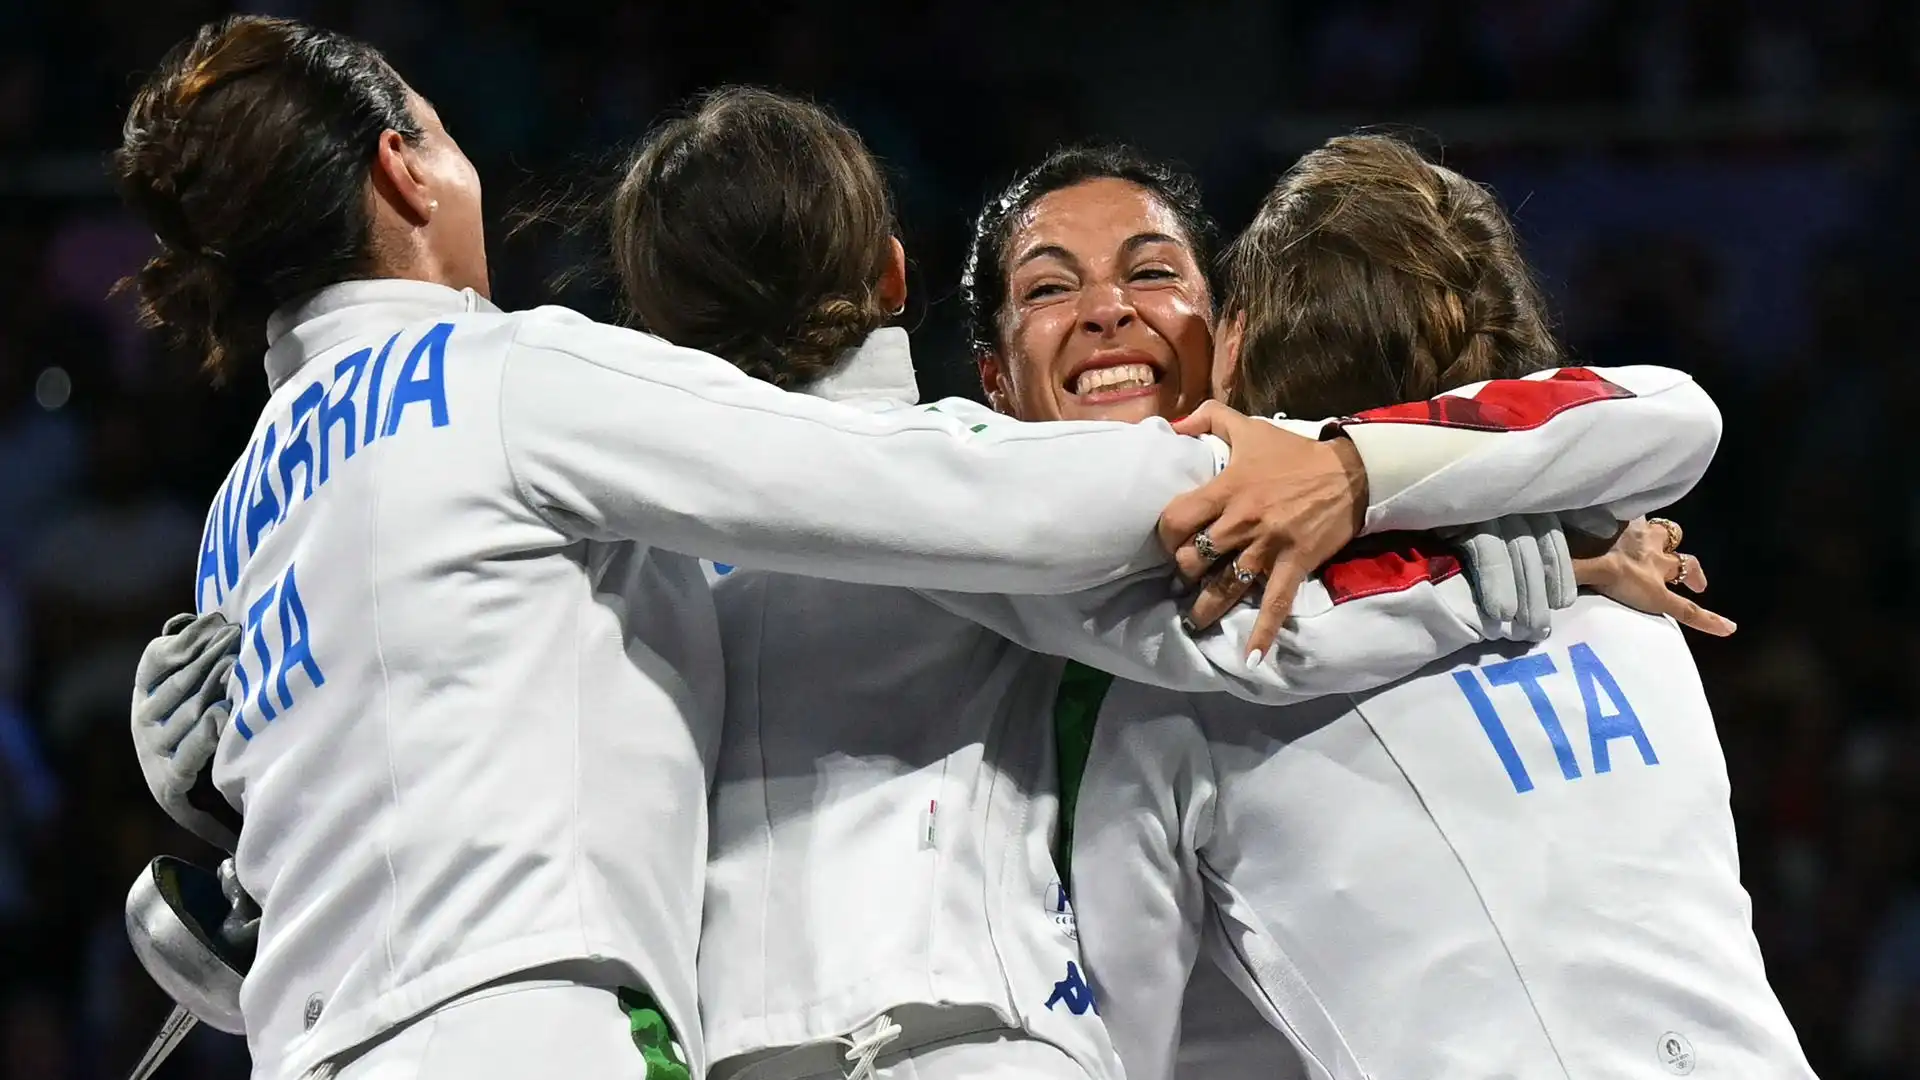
{"x":1675,"y":534}
{"x":1680,"y":574}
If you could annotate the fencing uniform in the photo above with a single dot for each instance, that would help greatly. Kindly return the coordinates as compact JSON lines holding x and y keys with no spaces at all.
{"x":886,"y":802}
{"x":1518,"y":863}
{"x":1223,"y":1037}
{"x":480,"y":689}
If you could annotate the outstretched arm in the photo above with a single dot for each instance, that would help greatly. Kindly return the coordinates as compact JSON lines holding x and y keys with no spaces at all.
{"x":1380,"y":611}
{"x":1621,"y":439}
{"x":614,"y":434}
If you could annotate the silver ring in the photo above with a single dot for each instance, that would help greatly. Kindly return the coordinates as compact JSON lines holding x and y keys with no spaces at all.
{"x":1203,"y":544}
{"x":1243,"y":575}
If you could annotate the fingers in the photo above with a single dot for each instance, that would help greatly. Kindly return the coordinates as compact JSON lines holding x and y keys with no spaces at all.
{"x":1692,"y":574}
{"x":1187,"y":515}
{"x":1202,"y":551}
{"x":1532,"y":616}
{"x":1276,"y":604}
{"x":1555,"y":558}
{"x":195,"y":750}
{"x":1688,"y":613}
{"x":1215,"y":540}
{"x":184,"y":680}
{"x":1224,"y":588}
{"x":230,"y":887}
{"x":176,"y":624}
{"x":1681,"y":569}
{"x":197,"y":644}
{"x":1490,"y":565}
{"x":1211,"y":418}
{"x":166,"y":714}
{"x":1190,"y":561}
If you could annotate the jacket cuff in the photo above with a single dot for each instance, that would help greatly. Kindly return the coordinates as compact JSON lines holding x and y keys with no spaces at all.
{"x":1399,"y":457}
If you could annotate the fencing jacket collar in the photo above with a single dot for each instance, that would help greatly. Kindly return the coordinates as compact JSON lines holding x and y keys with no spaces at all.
{"x":878,"y":369}
{"x":316,"y":320}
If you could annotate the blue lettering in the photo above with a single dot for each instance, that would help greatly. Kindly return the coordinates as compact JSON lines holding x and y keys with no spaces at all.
{"x":373,"y":391}
{"x":230,"y":514}
{"x":340,"y":409}
{"x":410,"y":386}
{"x":299,"y":451}
{"x":264,"y":511}
{"x":1073,"y":992}
{"x":1496,"y":731}
{"x":1603,"y":728}
{"x":262,"y":494}
{"x":296,"y":638}
{"x":209,"y":563}
{"x":254,"y":624}
{"x":1526,"y":672}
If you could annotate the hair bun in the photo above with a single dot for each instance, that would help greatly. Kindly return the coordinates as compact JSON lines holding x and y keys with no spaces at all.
{"x":824,"y":335}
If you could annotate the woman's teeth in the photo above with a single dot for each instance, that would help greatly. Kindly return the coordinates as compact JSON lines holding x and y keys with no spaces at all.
{"x":1119,"y":377}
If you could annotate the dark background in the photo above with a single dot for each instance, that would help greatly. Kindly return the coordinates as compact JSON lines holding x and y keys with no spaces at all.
{"x":1724,"y":186}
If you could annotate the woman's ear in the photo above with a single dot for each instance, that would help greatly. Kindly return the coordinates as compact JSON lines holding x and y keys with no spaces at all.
{"x":399,"y":181}
{"x":893,"y":279}
{"x":1226,"y":354}
{"x":993,"y":380}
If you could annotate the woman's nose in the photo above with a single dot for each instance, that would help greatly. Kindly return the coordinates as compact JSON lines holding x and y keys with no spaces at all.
{"x":1105,"y":309}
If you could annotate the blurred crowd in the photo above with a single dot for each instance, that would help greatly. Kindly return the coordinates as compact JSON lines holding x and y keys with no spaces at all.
{"x":1715,"y":185}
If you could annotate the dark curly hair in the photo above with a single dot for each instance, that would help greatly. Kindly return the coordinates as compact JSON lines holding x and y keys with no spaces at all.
{"x":247,"y":153}
{"x":983,"y":281}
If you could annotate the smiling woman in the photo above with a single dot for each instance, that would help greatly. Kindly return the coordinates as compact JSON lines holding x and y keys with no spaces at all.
{"x":1087,"y":290}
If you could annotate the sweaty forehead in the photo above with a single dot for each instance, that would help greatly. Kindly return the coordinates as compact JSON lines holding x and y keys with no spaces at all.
{"x":1093,"y":219}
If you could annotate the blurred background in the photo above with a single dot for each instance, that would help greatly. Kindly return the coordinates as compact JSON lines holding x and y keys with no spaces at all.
{"x":1723,"y":186}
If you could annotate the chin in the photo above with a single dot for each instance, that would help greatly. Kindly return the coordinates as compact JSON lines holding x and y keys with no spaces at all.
{"x":1126,"y":412}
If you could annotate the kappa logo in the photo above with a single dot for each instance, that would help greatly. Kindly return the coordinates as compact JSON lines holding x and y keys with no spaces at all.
{"x":1073,"y":992}
{"x":1060,"y":910}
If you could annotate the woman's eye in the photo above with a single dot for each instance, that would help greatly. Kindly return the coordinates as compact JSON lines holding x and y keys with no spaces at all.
{"x":1154,"y":273}
{"x":1042,"y":291}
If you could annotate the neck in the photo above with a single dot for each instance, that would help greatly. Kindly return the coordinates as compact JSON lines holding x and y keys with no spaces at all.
{"x":402,"y":251}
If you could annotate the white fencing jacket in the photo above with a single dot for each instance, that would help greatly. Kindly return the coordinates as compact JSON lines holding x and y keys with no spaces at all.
{"x":885,"y":805}
{"x":479,"y":694}
{"x":1519,"y":863}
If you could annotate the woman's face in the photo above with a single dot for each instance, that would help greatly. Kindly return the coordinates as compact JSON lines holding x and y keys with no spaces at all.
{"x":1107,"y":313}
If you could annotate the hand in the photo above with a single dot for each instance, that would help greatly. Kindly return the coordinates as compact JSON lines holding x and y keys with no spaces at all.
{"x":1636,"y":570}
{"x":180,"y":711}
{"x":1520,"y":569}
{"x":1282,"y":507}
{"x":241,"y":928}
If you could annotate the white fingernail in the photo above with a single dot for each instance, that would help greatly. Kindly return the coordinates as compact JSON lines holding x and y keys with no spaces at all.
{"x":1254,"y":658}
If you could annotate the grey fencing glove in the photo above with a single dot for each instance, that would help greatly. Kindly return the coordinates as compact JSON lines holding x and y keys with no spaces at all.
{"x":1521,"y":571}
{"x":180,"y":710}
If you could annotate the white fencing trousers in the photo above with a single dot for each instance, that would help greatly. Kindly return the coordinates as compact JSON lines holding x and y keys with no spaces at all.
{"x":523,"y":1030}
{"x":1001,"y":1054}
